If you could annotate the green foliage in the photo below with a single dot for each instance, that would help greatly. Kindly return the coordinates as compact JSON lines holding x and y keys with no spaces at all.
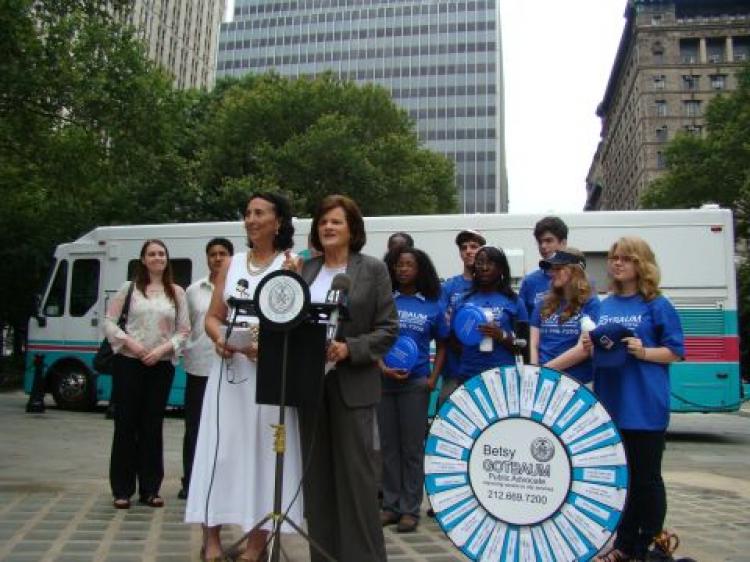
{"x":310,"y":138}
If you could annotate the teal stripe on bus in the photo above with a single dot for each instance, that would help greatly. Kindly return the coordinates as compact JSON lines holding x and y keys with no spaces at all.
{"x":701,"y":322}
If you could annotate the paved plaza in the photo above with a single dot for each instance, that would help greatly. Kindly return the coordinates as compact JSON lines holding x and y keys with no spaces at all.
{"x":55,"y":503}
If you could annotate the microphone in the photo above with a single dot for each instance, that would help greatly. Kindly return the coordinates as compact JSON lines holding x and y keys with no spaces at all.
{"x":338,"y":294}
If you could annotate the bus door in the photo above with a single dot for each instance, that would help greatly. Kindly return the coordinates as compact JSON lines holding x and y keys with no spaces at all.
{"x":67,"y":334}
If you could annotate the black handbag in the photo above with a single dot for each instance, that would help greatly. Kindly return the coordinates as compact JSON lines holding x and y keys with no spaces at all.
{"x":105,"y":355}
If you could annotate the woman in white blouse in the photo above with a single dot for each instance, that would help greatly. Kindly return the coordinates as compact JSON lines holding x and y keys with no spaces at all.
{"x":143,"y":369}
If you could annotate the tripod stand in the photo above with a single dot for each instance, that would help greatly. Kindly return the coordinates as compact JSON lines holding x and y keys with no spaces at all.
{"x":306,"y":330}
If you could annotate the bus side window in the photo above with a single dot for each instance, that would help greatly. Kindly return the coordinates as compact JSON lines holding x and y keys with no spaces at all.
{"x":55,"y":303}
{"x":182,"y":269}
{"x":84,"y":286}
{"x":596,"y":270}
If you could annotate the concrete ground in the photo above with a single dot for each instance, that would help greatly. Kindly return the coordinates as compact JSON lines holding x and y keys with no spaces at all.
{"x":55,"y":503}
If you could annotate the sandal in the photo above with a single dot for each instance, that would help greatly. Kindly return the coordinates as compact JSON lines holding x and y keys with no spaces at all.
{"x":151,"y":500}
{"x":613,"y":555}
{"x":121,"y":503}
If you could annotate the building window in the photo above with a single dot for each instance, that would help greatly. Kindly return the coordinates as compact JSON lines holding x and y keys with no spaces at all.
{"x":692,"y":108}
{"x":657,"y":49}
{"x":661,"y":133}
{"x":715,"y":49}
{"x":694,"y":130}
{"x":690,"y":81}
{"x":661,"y":160}
{"x":689,"y":49}
{"x":741,"y":49}
{"x":719,"y":81}
{"x":661,"y":108}
{"x":659,"y":82}
{"x":656,"y":19}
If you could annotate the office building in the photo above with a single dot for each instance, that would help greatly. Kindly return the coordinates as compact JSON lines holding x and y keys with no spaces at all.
{"x":181,"y":36}
{"x":440,"y":60}
{"x":673,"y":58}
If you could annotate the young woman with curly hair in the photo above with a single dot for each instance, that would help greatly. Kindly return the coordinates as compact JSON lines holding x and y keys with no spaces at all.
{"x":556,"y":320}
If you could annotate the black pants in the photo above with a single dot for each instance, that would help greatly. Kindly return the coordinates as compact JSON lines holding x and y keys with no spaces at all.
{"x":644,"y":513}
{"x":195,"y":387}
{"x":140,"y":393}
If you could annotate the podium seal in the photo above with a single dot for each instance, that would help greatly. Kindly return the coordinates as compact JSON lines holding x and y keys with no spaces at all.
{"x":525,"y":466}
{"x":281,"y":300}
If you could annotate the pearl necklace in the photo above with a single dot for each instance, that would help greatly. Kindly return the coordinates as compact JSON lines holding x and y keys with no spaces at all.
{"x":253,"y":269}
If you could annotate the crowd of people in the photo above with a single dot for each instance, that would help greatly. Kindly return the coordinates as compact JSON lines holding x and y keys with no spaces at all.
{"x":358,"y":452}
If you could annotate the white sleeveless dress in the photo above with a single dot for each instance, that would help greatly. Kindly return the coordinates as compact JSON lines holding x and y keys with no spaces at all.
{"x":237,"y":477}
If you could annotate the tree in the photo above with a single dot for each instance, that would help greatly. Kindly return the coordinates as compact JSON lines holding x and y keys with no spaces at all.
{"x":313,"y":137}
{"x":90,"y":133}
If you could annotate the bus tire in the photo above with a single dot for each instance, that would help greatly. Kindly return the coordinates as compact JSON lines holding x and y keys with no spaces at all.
{"x":73,"y":386}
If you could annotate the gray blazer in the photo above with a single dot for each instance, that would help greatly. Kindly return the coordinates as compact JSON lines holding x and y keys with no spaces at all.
{"x":370,"y":331}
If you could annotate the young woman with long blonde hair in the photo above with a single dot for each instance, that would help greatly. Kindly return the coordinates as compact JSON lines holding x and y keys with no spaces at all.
{"x":636,"y":392}
{"x":556,"y":320}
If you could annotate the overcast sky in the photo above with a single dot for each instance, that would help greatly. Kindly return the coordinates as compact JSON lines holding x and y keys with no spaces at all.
{"x":557,"y":59}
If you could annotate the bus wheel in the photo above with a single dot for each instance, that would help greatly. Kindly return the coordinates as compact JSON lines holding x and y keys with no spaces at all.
{"x":73,"y":387}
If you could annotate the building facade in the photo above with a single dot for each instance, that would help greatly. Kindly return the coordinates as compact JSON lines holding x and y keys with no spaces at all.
{"x":181,"y":36}
{"x":673,"y":58}
{"x":440,"y":60}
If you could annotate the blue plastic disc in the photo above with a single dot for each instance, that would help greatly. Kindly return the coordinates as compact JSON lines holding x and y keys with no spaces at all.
{"x":403,"y":354}
{"x":466,"y":324}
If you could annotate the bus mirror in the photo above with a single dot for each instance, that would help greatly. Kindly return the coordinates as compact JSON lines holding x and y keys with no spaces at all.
{"x":41,"y":320}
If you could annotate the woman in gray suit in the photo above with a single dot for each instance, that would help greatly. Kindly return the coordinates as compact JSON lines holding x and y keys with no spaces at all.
{"x":339,"y":436}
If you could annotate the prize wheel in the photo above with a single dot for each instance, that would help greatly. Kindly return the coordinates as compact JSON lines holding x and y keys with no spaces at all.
{"x":525,"y":466}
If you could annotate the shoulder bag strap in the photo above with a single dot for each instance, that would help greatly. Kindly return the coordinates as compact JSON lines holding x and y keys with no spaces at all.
{"x":123,"y":320}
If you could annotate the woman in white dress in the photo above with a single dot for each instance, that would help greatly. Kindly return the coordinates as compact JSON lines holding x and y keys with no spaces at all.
{"x":234,"y":459}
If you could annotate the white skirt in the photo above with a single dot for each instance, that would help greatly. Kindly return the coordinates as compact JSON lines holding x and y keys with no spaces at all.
{"x":233,"y":483}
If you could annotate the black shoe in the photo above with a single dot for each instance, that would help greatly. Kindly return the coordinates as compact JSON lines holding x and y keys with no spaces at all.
{"x":182,"y":494}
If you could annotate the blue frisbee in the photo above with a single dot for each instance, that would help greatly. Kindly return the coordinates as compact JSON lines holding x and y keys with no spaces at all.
{"x":466,"y":324}
{"x":403,"y":354}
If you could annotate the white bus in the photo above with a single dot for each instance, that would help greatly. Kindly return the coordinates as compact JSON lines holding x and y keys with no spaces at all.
{"x":695,"y":250}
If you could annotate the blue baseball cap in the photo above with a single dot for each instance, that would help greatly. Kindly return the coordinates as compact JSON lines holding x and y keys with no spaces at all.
{"x":609,"y":349}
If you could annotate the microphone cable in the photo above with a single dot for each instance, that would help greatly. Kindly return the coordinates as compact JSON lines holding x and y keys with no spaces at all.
{"x":218,"y":418}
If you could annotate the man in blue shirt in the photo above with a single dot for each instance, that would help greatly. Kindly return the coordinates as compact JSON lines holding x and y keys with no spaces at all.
{"x":551,"y":235}
{"x":468,"y":242}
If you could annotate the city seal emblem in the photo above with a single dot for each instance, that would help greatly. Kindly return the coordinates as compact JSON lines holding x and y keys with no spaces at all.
{"x":542,"y":449}
{"x":281,"y":297}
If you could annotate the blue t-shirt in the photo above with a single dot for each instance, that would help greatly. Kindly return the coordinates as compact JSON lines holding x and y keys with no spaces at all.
{"x":454,"y":290}
{"x":506,"y":312}
{"x":423,"y":321}
{"x":555,"y":338}
{"x":533,"y":289}
{"x":637,"y":393}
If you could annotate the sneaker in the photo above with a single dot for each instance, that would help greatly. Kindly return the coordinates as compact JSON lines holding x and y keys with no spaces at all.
{"x":407,"y":524}
{"x":182,"y":494}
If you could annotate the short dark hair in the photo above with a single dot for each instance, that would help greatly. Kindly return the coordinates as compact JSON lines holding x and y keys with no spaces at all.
{"x":353,"y":219}
{"x":428,"y":282}
{"x":221,"y":242}
{"x":405,"y":235}
{"x":553,"y":225}
{"x":284,"y":238}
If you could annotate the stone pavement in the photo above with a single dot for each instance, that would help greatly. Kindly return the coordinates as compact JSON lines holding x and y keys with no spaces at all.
{"x":55,"y":504}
